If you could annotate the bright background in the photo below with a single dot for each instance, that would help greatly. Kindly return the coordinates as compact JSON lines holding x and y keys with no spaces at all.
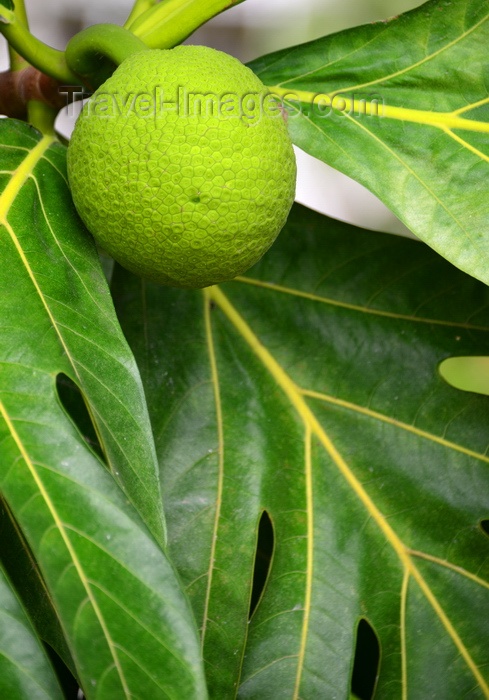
{"x":246,"y":31}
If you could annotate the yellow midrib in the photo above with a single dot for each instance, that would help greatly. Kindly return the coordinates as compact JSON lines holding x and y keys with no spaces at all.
{"x":310,"y":560}
{"x":356,"y":307}
{"x":220,"y":479}
{"x":347,"y":105}
{"x":403,"y":71}
{"x":341,"y":403}
{"x":402,"y":619}
{"x":21,"y":174}
{"x":296,"y":398}
{"x":7,"y":198}
{"x":68,"y":544}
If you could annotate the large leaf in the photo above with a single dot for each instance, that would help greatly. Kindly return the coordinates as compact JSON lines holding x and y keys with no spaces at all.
{"x":127,"y":623}
{"x":26,"y":578}
{"x":310,"y":389}
{"x":25,"y":671}
{"x":57,"y":314}
{"x":402,"y":106}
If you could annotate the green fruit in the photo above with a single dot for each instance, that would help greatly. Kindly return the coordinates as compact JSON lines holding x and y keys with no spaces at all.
{"x":181,"y":166}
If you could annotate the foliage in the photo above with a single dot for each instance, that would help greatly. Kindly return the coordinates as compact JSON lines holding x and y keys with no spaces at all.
{"x":325,"y":488}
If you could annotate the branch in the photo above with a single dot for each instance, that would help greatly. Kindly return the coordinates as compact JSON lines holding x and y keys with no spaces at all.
{"x":17,"y":88}
{"x":37,"y":53}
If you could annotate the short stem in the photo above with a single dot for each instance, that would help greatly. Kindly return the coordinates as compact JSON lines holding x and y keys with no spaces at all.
{"x":109,"y":42}
{"x":41,"y":116}
{"x":17,"y":62}
{"x":19,"y":87}
{"x":139,"y":7}
{"x":46,"y":59}
{"x":172,"y":21}
{"x":20,"y":12}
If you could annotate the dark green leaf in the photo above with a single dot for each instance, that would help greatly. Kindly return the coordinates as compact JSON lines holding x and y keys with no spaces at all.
{"x":23,"y":571}
{"x":58,"y":316}
{"x":402,"y":106}
{"x":310,"y":389}
{"x":127,"y":623}
{"x":25,"y":671}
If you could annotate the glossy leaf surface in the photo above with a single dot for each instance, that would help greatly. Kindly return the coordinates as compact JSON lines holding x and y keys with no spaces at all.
{"x":22,"y":570}
{"x":310,"y":389}
{"x":58,"y":315}
{"x":25,"y":671}
{"x":402,"y":106}
{"x":126,"y":621}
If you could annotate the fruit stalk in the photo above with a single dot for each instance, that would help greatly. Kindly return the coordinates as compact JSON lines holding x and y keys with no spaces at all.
{"x":17,"y":62}
{"x":19,"y":87}
{"x":25,"y":91}
{"x":95,"y":52}
{"x":46,"y":59}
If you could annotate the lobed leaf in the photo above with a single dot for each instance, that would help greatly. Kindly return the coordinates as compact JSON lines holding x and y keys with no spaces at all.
{"x":22,"y":570}
{"x":58,"y":316}
{"x":310,"y":389}
{"x":25,"y":671}
{"x":127,"y":624}
{"x":402,"y":106}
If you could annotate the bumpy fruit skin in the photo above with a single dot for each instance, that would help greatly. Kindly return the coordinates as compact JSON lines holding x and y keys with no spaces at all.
{"x":174,"y":191}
